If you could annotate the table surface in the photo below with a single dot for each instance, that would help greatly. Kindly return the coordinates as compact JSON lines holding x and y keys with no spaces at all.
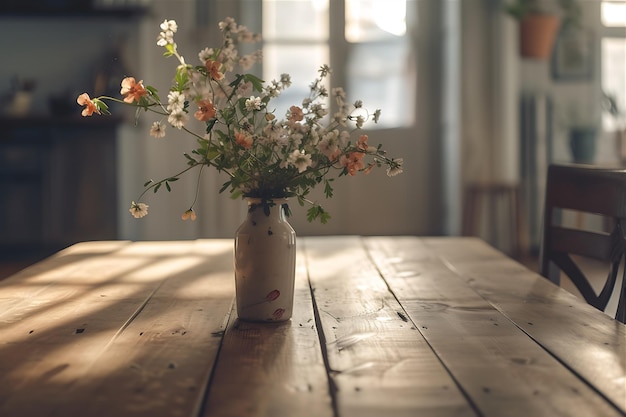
{"x":383,"y":326}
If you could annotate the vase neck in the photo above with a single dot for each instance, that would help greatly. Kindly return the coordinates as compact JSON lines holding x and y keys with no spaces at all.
{"x":260,"y":209}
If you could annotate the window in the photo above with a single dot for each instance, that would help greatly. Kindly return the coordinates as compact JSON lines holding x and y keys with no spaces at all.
{"x":613,"y":15}
{"x":376,"y":44}
{"x":296,"y":46}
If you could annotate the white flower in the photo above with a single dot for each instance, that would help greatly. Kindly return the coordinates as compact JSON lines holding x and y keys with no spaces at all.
{"x":176,"y":102}
{"x":395,"y":168}
{"x":228,"y":25}
{"x":157,"y":130}
{"x":138,"y":210}
{"x":339,"y":94}
{"x":324,"y":70}
{"x":205,"y":54}
{"x":169,"y":25}
{"x":166,"y":37}
{"x":178,"y":119}
{"x":285,"y":79}
{"x":299,"y":160}
{"x":329,"y":145}
{"x":253,"y":103}
{"x":360,"y":120}
{"x":319,"y":110}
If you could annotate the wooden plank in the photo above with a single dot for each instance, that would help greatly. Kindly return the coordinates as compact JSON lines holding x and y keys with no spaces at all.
{"x":135,"y":342}
{"x":590,"y":343}
{"x":499,"y":367}
{"x":379,"y":363}
{"x":273,"y":369}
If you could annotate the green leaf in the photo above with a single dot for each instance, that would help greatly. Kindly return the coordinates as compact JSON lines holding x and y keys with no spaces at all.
{"x":169,"y":48}
{"x":324,"y":217}
{"x":256,"y":82}
{"x":328,"y":190}
{"x":212,"y":154}
{"x":101,"y":106}
{"x":236,"y":81}
{"x":157,"y":187}
{"x":312,"y":213}
{"x":316,"y":212}
{"x":167,"y":185}
{"x":224,"y":186}
{"x":210,"y":124}
{"x":145,"y":184}
{"x":153,"y":92}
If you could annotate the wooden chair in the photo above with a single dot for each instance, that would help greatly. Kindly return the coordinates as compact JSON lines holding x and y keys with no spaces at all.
{"x":593,"y":190}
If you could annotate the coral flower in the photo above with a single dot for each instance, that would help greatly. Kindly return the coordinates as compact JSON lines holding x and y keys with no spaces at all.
{"x":90,"y":106}
{"x":295,"y":114}
{"x":362,"y":144}
{"x":206,"y":111}
{"x":353,"y":162}
{"x":243,"y":139}
{"x":132,"y":90}
{"x":189,"y":214}
{"x":213,"y":67}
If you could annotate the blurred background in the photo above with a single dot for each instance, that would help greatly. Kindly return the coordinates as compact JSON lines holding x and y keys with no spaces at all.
{"x":476,"y":113}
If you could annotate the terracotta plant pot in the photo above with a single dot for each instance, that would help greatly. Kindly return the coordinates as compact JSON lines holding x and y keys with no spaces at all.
{"x":537,"y":35}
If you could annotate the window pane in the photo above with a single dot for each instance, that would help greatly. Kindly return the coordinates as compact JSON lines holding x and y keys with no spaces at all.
{"x":614,"y":13}
{"x":379,"y":75}
{"x":372,"y":20}
{"x":614,"y":75}
{"x":295,"y":20}
{"x":299,"y":61}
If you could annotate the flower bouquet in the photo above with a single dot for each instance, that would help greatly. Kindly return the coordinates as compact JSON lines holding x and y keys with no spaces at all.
{"x":263,"y":155}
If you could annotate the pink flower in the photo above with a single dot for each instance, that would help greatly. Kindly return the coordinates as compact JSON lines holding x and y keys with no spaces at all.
{"x":272,"y":295}
{"x":278,"y":313}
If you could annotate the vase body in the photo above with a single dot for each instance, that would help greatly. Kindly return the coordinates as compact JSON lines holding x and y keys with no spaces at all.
{"x":583,"y":145}
{"x":265,"y":263}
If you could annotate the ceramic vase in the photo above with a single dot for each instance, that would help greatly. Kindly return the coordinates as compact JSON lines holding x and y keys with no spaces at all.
{"x":265,"y":262}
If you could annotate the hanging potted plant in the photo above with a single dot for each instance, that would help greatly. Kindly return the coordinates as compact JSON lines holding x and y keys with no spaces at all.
{"x":539,"y":25}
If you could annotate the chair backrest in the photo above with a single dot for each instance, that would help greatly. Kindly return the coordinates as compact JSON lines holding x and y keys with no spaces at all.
{"x":593,"y":190}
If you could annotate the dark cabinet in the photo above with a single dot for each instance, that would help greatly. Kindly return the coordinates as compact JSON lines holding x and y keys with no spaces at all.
{"x":57,"y":183}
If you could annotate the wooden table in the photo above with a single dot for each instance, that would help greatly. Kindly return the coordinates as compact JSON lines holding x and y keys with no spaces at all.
{"x":383,"y":326}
